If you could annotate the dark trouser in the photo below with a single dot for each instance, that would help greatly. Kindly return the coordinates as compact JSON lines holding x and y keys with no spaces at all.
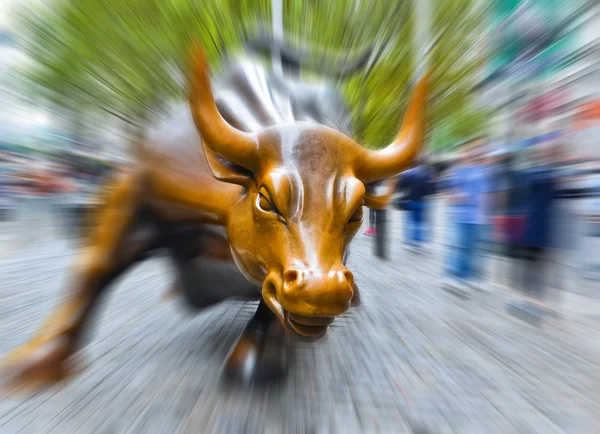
{"x":529,"y":264}
{"x":372,"y":218}
{"x":381,"y":236}
{"x":534,"y":264}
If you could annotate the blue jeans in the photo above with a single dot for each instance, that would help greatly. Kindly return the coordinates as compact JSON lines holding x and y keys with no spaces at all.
{"x":416,"y":223}
{"x":462,"y":263}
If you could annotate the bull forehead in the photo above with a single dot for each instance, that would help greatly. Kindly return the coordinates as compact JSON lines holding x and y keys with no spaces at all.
{"x":312,"y":146}
{"x":312,"y":171}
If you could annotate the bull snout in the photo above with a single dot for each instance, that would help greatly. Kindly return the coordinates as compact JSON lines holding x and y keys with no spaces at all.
{"x":306,"y":301}
{"x":313,"y":293}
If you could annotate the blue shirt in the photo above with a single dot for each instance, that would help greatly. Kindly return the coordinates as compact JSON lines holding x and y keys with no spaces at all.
{"x":470,"y":184}
{"x":418,"y":183}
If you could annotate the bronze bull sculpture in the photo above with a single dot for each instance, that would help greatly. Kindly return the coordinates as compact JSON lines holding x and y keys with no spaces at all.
{"x":231,"y":182}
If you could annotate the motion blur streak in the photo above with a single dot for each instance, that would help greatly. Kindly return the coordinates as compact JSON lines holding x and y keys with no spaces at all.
{"x":479,"y":299}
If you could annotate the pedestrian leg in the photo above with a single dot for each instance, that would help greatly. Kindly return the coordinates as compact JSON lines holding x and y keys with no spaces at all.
{"x":527,"y":273}
{"x":470,"y":250}
{"x":418,"y":224}
{"x":538,"y":282}
{"x":514,"y":264}
{"x":427,"y":235}
{"x":410,"y":226}
{"x":461,"y":250}
{"x":381,"y":233}
{"x":453,"y":252}
{"x":481,"y":250}
{"x":372,"y":222}
{"x":461,"y":262}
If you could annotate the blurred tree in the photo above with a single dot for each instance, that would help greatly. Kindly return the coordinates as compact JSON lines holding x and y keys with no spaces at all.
{"x":127,"y":59}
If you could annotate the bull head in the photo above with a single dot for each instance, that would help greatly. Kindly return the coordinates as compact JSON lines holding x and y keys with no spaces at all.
{"x":302,"y":201}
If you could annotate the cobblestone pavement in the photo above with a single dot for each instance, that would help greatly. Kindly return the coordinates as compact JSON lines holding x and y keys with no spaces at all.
{"x":411,"y":357}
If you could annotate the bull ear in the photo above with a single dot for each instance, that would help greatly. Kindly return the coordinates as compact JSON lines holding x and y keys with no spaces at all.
{"x":379,"y":196}
{"x":225,"y":170}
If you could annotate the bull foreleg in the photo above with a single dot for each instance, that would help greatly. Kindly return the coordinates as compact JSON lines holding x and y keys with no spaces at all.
{"x":262,"y":352}
{"x":109,"y":251}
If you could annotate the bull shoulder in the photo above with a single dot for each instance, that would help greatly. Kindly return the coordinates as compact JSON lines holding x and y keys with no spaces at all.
{"x":180,"y":181}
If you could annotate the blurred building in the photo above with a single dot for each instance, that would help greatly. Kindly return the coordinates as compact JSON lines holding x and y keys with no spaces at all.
{"x":546,"y":83}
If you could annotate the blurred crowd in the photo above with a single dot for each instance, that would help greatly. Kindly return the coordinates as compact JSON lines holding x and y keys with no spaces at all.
{"x":528,"y":206}
{"x":35,"y":191}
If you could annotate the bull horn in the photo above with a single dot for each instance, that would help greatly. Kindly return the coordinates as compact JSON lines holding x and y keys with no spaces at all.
{"x":373,"y":166}
{"x":236,"y":146}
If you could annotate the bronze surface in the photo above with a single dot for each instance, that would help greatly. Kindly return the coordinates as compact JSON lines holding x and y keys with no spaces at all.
{"x":289,"y":194}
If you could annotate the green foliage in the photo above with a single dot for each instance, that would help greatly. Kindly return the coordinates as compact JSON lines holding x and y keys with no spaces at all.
{"x":129,"y":58}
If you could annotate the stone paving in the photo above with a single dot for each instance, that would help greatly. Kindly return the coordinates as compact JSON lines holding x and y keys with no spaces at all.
{"x":412,"y":358}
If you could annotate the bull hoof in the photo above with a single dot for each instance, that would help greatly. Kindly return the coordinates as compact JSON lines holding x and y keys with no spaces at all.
{"x":355,"y":302}
{"x":259,"y":357}
{"x":36,"y":366}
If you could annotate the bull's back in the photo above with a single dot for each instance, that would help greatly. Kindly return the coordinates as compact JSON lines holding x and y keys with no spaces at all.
{"x":180,"y":181}
{"x":252,"y":98}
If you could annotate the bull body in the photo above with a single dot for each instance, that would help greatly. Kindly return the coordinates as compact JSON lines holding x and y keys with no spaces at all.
{"x":255,"y":192}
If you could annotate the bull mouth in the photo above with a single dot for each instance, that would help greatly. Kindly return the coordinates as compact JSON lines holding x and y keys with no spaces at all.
{"x":308,"y":327}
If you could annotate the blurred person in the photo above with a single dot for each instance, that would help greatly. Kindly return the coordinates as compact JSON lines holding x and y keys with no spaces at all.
{"x":84,"y":202}
{"x":375,"y":216}
{"x":48,"y":189}
{"x":418,"y":184}
{"x":28,"y":195}
{"x":539,"y":185}
{"x":509,"y":220}
{"x":371,"y":230}
{"x":563,"y":224}
{"x":5,"y":198}
{"x":568,"y":236}
{"x":9,"y":206}
{"x":68,"y":190}
{"x":466,"y":189}
{"x":592,"y":223}
{"x":547,"y":228}
{"x":487,"y":180}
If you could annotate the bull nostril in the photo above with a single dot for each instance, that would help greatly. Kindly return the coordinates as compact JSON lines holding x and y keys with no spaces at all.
{"x":290,"y":277}
{"x":349,"y":277}
{"x":270,"y":287}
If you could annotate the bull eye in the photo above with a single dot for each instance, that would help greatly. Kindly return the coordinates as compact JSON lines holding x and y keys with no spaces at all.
{"x":264,"y":204}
